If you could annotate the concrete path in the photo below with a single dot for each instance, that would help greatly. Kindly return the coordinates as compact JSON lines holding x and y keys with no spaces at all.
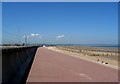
{"x":51,"y":66}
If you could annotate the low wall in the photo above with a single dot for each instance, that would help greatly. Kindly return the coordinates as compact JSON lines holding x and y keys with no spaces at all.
{"x":16,"y":63}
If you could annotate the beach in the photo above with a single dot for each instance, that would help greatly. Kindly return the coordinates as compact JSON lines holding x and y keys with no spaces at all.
{"x":104,"y":56}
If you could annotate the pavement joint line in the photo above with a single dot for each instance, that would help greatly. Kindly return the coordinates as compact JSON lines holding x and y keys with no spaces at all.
{"x":84,"y":75}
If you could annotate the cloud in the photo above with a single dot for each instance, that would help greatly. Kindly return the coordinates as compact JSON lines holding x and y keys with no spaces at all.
{"x":60,"y":36}
{"x":35,"y":35}
{"x":32,"y":35}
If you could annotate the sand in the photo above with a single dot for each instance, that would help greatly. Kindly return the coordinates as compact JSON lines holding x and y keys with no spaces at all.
{"x":106,"y":60}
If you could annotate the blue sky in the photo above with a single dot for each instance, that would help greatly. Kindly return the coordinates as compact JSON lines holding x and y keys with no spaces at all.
{"x":77,"y":23}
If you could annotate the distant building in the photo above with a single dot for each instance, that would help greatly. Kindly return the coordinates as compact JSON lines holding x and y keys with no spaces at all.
{"x":43,"y":45}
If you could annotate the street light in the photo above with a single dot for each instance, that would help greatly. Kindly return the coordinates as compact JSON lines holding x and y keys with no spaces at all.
{"x":26,"y":39}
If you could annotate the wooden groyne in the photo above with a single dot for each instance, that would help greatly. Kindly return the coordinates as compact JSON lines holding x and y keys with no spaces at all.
{"x":91,"y":51}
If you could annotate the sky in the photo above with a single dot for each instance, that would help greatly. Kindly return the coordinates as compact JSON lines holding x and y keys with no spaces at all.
{"x":60,"y":22}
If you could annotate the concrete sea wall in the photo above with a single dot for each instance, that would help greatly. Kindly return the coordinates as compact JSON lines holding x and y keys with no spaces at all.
{"x":16,"y":63}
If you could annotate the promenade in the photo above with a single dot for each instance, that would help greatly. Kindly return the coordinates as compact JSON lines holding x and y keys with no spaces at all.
{"x":51,"y":66}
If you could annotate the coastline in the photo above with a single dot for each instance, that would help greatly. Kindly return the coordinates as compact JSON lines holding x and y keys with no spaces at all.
{"x":107,"y":60}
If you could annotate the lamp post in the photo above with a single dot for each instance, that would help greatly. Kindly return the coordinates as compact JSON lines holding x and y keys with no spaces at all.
{"x":26,"y":39}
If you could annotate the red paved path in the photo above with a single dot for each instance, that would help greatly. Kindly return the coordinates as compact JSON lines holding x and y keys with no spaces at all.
{"x":51,"y":66}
